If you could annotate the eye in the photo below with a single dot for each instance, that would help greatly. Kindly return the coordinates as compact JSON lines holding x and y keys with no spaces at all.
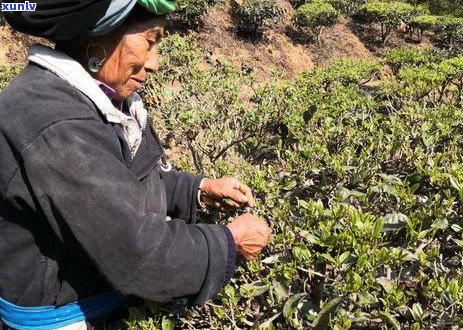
{"x":153,"y":38}
{"x":136,"y":68}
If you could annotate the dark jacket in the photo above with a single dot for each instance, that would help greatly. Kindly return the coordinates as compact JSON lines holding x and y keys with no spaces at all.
{"x":78,"y":216}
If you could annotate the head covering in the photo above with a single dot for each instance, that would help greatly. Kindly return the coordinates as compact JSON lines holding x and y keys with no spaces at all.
{"x":117,"y":11}
{"x":57,"y":19}
{"x":66,"y":19}
{"x":159,"y":7}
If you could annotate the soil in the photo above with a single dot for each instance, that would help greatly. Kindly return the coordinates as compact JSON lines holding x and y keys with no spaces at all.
{"x":14,"y":45}
{"x":279,"y":47}
{"x":272,"y":51}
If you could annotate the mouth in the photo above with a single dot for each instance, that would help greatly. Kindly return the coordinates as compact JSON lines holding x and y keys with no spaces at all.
{"x":139,"y":83}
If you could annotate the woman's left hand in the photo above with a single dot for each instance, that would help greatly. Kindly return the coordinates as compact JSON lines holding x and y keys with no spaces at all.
{"x":226,"y":193}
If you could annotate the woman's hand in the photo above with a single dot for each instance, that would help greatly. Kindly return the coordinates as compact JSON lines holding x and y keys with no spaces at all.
{"x":225,"y":193}
{"x":250,"y":235}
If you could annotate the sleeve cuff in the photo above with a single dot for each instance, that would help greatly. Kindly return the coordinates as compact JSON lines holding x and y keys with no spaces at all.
{"x":194,"y":201}
{"x":231,"y":257}
{"x":198,"y":198}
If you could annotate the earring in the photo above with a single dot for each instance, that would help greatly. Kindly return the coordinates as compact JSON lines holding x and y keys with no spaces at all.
{"x":94,"y":63}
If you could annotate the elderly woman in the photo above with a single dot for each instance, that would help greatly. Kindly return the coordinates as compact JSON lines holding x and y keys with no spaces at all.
{"x":90,"y":211}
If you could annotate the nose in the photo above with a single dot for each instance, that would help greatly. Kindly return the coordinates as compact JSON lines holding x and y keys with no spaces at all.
{"x":152,"y":61}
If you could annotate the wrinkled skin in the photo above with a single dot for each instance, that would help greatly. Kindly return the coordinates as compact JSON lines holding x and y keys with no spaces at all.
{"x":133,"y":56}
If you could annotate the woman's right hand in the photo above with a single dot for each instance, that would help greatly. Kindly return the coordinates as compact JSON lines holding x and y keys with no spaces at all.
{"x":250,"y":234}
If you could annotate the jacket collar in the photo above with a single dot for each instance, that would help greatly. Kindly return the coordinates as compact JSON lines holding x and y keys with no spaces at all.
{"x":70,"y":70}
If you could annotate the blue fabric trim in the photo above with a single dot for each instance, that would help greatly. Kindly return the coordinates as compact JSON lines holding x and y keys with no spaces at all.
{"x":51,"y":317}
{"x":117,"y":11}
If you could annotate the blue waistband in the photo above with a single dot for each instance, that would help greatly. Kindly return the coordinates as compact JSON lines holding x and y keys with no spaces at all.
{"x":51,"y":317}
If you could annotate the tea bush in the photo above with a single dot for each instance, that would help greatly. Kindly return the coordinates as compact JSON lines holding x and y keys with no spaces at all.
{"x":6,"y":74}
{"x":347,"y":7}
{"x":315,"y":16}
{"x":190,"y":12}
{"x":387,"y":14}
{"x":252,"y":15}
{"x":397,"y":58}
{"x":449,"y":7}
{"x":424,"y":23}
{"x":221,"y":102}
{"x":447,"y":29}
{"x":360,"y":174}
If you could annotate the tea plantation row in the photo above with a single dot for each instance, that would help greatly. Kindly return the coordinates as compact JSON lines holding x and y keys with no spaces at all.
{"x":440,"y":20}
{"x":358,"y":166}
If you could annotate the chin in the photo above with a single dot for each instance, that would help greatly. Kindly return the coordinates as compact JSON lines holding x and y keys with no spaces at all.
{"x":128,"y":93}
{"x":123,"y":96}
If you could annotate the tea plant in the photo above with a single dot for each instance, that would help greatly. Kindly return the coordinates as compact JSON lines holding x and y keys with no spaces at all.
{"x":448,"y":29}
{"x":388,"y":15}
{"x":360,"y":175}
{"x":7,"y":74}
{"x":449,"y":7}
{"x":347,"y":7}
{"x":315,"y":16}
{"x":423,"y":23}
{"x":209,"y":119}
{"x":252,"y":15}
{"x":398,"y":58}
{"x":190,"y":12}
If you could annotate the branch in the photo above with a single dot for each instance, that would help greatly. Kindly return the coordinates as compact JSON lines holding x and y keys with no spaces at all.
{"x":224,"y":150}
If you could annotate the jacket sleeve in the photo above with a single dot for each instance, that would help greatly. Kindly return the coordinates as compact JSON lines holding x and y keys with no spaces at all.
{"x":92,"y":202}
{"x":182,"y":192}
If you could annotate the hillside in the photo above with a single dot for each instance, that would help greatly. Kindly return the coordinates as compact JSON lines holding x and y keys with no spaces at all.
{"x":279,"y":48}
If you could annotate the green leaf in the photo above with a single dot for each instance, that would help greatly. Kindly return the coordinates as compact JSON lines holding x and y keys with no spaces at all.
{"x":280,"y":289}
{"x":329,"y":258}
{"x":391,"y":320}
{"x":267,"y":324}
{"x":290,"y":185}
{"x":301,"y":254}
{"x":455,"y":183}
{"x":323,"y":317}
{"x":379,"y":227}
{"x":311,"y":238}
{"x":292,"y":303}
{"x":387,"y":284}
{"x":417,"y":311}
{"x":230,"y":291}
{"x":343,"y":257}
{"x":366,"y":298}
{"x":440,"y":224}
{"x":456,"y":227}
{"x":167,"y":323}
{"x":253,"y":290}
{"x":394,"y":221}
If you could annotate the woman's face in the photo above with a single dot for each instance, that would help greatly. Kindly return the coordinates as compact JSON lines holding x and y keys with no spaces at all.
{"x":133,"y":56}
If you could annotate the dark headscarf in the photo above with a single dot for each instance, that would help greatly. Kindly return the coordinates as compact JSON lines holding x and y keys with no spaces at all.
{"x":59,"y":20}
